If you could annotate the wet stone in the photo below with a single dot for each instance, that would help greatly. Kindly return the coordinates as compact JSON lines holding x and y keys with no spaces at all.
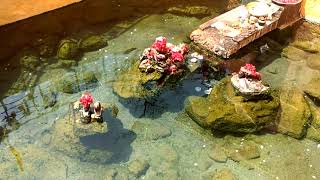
{"x":295,"y":113}
{"x":225,"y":111}
{"x":67,"y":49}
{"x":313,"y":61}
{"x":314,"y":129}
{"x":92,"y":43}
{"x":224,"y":174}
{"x":150,"y":130}
{"x":138,"y":167}
{"x":313,"y":87}
{"x":247,"y":151}
{"x":218,"y":154}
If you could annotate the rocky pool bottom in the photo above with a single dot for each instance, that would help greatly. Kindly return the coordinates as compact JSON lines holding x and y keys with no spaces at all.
{"x":156,"y":138}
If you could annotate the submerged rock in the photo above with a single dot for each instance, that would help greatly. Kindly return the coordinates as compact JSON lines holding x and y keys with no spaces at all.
{"x":294,"y":54}
{"x":199,"y":11}
{"x":313,"y":88}
{"x":224,"y":110}
{"x":218,"y":154}
{"x":224,"y":174}
{"x":67,"y":84}
{"x":67,"y":49}
{"x":295,"y":113}
{"x":247,"y":151}
{"x":313,"y":61}
{"x":92,"y":43}
{"x":150,"y":130}
{"x":132,"y":83}
{"x":314,"y":129}
{"x":138,"y":167}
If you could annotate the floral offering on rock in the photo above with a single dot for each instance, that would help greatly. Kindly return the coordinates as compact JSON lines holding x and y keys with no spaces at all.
{"x":87,"y":114}
{"x":163,"y":57}
{"x":248,"y":81}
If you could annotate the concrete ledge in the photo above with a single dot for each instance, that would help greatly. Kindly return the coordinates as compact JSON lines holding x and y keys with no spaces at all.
{"x":15,"y":10}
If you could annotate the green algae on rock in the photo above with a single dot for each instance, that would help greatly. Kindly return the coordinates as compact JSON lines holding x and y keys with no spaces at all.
{"x":224,"y":110}
{"x":313,"y":88}
{"x":68,"y":83}
{"x":198,"y":11}
{"x":68,"y":49}
{"x":295,"y":113}
{"x":314,"y":129}
{"x":224,"y":174}
{"x":92,"y":43}
{"x":138,"y":167}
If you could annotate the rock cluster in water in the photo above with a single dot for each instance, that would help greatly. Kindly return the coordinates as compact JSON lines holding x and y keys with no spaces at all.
{"x":224,"y":110}
{"x":161,"y":64}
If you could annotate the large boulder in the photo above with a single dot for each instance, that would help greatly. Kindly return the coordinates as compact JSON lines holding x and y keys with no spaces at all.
{"x":67,"y":49}
{"x":224,"y":110}
{"x":92,"y":43}
{"x":313,"y":87}
{"x":295,"y":113}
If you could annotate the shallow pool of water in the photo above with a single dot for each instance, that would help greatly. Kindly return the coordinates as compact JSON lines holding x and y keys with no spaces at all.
{"x":145,"y":138}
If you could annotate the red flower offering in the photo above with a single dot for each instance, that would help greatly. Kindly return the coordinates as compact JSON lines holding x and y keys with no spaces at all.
{"x":160,"y":44}
{"x":86,"y":99}
{"x":177,"y":57}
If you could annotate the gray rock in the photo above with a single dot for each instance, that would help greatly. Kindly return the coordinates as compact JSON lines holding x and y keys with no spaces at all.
{"x":92,"y":43}
{"x":138,"y":167}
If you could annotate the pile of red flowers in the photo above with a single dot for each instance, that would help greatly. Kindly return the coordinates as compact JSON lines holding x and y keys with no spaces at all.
{"x":249,"y":71}
{"x":86,"y":99}
{"x":163,"y":57}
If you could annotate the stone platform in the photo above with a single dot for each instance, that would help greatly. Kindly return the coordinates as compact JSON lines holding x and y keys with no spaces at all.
{"x":224,"y":35}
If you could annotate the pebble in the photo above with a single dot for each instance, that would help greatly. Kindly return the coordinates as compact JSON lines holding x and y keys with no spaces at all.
{"x":308,"y":150}
{"x":261,"y":147}
{"x":105,"y":57}
{"x":198,"y":89}
{"x":193,"y":60}
{"x":310,"y":165}
{"x":314,"y":177}
{"x":204,"y":146}
{"x":195,"y":164}
{"x":85,"y":58}
{"x":277,"y":177}
{"x":318,"y":146}
{"x":208,"y":91}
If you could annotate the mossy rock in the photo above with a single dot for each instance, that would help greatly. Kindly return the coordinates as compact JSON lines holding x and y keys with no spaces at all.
{"x":68,"y":49}
{"x":314,"y":129}
{"x":49,"y":100}
{"x":294,"y":54}
{"x":224,"y":110}
{"x":67,"y":84}
{"x":198,"y":11}
{"x":308,"y":46}
{"x":89,"y":77}
{"x":92,"y":43}
{"x":132,"y":83}
{"x":295,"y":113}
{"x":313,"y":88}
{"x":29,"y":61}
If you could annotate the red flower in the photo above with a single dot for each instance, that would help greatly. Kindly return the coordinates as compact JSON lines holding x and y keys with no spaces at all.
{"x":249,"y":70}
{"x":173,"y":69}
{"x":170,"y":47}
{"x":160,"y":44}
{"x":86,"y":99}
{"x":177,"y":57}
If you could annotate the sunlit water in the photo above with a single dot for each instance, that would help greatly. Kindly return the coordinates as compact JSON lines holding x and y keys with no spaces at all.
{"x":47,"y":143}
